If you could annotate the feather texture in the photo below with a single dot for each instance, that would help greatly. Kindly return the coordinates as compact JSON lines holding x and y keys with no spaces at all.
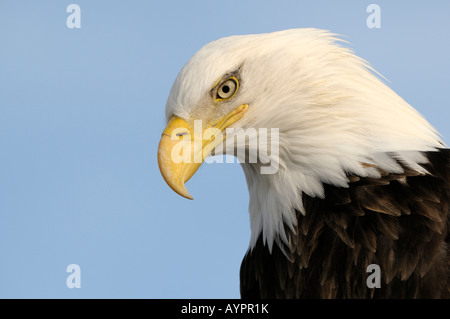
{"x":401,"y":226}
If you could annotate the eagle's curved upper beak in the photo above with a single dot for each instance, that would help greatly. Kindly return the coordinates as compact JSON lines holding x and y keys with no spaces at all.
{"x":184,"y":145}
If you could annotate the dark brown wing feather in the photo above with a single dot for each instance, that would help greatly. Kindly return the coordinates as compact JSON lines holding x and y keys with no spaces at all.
{"x":399,"y":222}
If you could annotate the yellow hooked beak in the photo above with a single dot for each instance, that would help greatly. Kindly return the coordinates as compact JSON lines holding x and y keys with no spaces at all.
{"x":184,"y":146}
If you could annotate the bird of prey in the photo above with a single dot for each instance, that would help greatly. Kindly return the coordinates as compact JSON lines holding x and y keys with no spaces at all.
{"x":360,"y":178}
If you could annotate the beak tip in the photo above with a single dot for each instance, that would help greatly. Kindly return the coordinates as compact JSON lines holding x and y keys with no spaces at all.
{"x":182,"y":191}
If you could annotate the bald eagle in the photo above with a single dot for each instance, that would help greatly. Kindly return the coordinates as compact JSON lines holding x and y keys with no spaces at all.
{"x":361,"y":177}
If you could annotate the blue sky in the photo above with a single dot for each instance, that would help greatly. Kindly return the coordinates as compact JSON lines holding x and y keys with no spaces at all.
{"x":81,"y":113}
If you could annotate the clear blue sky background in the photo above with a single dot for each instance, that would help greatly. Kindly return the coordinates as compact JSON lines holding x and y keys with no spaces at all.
{"x":81,"y":113}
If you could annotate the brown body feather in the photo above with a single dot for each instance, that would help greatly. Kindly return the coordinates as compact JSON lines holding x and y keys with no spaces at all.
{"x":399,"y":222}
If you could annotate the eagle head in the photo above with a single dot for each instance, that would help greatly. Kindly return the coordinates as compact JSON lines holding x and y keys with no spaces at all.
{"x":299,"y":102}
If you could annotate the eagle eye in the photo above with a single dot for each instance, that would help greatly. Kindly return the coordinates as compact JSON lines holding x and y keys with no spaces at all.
{"x":227,"y":89}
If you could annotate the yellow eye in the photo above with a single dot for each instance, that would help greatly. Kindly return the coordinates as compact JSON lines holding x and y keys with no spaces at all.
{"x":227,"y":89}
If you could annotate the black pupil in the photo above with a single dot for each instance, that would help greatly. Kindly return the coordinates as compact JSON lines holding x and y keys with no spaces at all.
{"x":225,"y":89}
